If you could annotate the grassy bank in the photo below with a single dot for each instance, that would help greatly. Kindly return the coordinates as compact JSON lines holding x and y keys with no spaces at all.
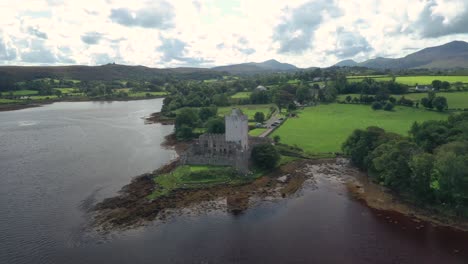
{"x":324,"y":128}
{"x":195,"y":177}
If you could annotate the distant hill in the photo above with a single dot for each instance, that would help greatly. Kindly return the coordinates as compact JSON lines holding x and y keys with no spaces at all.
{"x":448,"y":56}
{"x":347,"y":63}
{"x":106,"y":72}
{"x":256,"y":67}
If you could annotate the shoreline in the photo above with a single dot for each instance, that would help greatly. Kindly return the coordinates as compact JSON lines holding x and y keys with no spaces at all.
{"x":380,"y":198}
{"x":131,"y":208}
{"x":40,"y":103}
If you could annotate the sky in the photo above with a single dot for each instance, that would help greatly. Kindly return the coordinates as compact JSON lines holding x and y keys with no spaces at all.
{"x":207,"y":33}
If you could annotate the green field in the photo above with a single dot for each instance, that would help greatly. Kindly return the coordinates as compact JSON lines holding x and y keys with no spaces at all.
{"x":325,"y":127}
{"x":412,"y":80}
{"x":241,"y":95}
{"x":257,"y":132}
{"x":22,"y":92}
{"x":249,"y":110}
{"x":456,"y":100}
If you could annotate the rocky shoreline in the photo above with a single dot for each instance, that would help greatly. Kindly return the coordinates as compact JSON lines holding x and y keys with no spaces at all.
{"x":132,"y":208}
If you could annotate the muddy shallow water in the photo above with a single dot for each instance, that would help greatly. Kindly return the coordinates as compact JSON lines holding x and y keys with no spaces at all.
{"x":59,"y":160}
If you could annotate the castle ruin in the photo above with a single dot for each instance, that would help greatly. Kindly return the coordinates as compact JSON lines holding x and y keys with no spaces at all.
{"x":230,"y":149}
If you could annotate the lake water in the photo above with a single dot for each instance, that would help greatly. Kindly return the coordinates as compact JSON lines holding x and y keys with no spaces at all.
{"x":57,"y":160}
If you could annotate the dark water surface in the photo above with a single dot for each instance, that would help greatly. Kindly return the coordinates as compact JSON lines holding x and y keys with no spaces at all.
{"x":57,"y":160}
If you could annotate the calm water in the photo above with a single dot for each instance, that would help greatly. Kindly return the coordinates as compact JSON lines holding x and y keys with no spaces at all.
{"x":57,"y":160}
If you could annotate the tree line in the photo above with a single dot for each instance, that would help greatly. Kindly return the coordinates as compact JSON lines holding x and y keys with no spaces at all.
{"x":430,"y":167}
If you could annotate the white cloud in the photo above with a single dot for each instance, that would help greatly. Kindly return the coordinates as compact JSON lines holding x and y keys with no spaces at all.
{"x":303,"y":32}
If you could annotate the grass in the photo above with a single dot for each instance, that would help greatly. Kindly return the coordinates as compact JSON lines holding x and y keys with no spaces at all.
{"x":193,"y":177}
{"x":248,"y":110}
{"x":22,"y":93}
{"x":67,"y":90}
{"x":8,"y":101}
{"x":257,"y":132}
{"x":324,"y":128}
{"x":241,"y":95}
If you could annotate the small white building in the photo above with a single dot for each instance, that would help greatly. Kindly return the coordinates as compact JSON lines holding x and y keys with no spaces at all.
{"x":261,"y":88}
{"x":423,"y":88}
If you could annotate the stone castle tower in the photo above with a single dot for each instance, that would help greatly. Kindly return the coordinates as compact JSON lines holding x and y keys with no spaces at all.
{"x":237,"y":128}
{"x":232,"y":148}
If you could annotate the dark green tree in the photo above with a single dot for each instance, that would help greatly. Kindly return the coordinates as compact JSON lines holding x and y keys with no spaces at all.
{"x":259,"y":117}
{"x":215,"y":126}
{"x":440,"y":103}
{"x":265,"y":156}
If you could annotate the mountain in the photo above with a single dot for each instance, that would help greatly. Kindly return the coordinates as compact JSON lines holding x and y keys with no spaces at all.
{"x":106,"y":72}
{"x":346,"y":63}
{"x":256,"y":67}
{"x":448,"y":56}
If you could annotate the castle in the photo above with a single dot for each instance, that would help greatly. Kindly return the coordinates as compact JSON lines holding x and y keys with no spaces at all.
{"x":230,"y":149}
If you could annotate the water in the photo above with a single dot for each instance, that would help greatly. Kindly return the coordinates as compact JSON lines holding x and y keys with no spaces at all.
{"x":57,"y":160}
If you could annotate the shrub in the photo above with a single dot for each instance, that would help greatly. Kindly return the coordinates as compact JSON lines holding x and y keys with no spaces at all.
{"x":376,"y":105}
{"x":265,"y":156}
{"x":388,"y":106}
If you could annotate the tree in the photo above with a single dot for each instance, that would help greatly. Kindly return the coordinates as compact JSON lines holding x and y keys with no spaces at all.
{"x":445,"y":85}
{"x":437,"y":84}
{"x":206,"y":113}
{"x":265,"y":156}
{"x":361,"y":142}
{"x":440,"y":103}
{"x":187,"y":117}
{"x":388,"y":106}
{"x":259,"y":117}
{"x":276,"y":139}
{"x":377,"y":105}
{"x":421,"y":166}
{"x":303,"y":94}
{"x":390,"y":163}
{"x":348,"y":99}
{"x":184,"y":132}
{"x":426,"y":102}
{"x":215,"y":126}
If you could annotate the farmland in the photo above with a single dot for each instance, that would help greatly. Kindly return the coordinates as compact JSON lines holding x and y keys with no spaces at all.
{"x":412,"y":80}
{"x":324,"y":128}
{"x":241,"y":95}
{"x":249,"y":110}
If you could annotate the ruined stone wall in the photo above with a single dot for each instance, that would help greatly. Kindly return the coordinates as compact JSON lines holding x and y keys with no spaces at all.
{"x":213,"y":149}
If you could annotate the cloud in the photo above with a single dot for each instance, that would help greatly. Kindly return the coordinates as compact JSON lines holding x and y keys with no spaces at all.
{"x":349,"y":44}
{"x":159,"y":16}
{"x":295,"y":33}
{"x":40,"y":53}
{"x":6,"y":53}
{"x":435,"y":20}
{"x":175,"y":49}
{"x":91,"y":38}
{"x":36,"y":32}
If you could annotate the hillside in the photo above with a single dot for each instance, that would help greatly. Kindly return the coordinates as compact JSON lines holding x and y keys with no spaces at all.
{"x":106,"y":72}
{"x":254,"y":67}
{"x":448,"y":56}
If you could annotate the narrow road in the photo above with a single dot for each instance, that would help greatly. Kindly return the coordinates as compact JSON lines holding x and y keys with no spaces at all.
{"x":275,"y":117}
